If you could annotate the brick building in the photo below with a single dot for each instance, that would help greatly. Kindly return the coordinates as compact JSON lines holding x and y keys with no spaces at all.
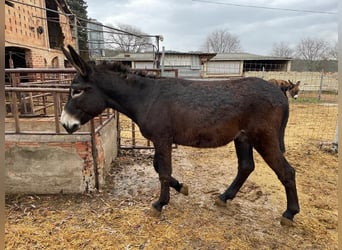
{"x":34,"y":32}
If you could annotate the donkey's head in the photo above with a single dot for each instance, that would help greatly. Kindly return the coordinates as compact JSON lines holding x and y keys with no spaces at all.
{"x":294,"y":89}
{"x":85,"y":99}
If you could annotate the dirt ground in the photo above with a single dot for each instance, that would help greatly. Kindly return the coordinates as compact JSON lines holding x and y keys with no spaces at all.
{"x":116,"y":217}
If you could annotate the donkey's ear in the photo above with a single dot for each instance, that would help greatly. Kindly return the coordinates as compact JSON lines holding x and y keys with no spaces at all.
{"x":67,"y":55}
{"x":80,"y":65}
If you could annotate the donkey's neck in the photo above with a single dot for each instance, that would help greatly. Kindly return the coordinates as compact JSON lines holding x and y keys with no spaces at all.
{"x":129,"y":96}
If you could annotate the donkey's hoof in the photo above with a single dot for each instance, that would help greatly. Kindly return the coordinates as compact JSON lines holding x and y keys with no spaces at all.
{"x":184,"y":189}
{"x":154,"y":212}
{"x":286,"y":222}
{"x":220,"y":203}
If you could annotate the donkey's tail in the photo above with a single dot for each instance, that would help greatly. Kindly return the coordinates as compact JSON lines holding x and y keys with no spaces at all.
{"x":282,"y":128}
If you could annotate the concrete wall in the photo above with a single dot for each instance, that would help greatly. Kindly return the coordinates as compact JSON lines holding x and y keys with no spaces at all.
{"x":47,"y":164}
{"x":107,"y":149}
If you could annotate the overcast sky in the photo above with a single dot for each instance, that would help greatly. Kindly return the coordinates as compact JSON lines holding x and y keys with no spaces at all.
{"x":185,"y":24}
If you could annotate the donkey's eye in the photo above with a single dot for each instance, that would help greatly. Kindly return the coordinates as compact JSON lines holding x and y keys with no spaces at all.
{"x":76,"y":93}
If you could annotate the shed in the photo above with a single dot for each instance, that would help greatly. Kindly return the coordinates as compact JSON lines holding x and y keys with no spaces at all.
{"x":204,"y":65}
{"x":236,"y":64}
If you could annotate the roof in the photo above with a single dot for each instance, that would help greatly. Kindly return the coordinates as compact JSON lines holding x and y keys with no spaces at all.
{"x":246,"y":57}
{"x":200,"y":53}
{"x":149,"y":56}
{"x":132,"y":57}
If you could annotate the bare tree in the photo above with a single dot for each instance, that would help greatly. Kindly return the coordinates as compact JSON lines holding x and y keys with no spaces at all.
{"x":312,"y":51}
{"x":221,"y":41}
{"x":333,"y":52}
{"x":282,"y":49}
{"x":130,"y":41}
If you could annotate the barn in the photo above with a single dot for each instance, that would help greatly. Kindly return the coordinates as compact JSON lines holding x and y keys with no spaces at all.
{"x":36,"y":86}
{"x":187,"y":64}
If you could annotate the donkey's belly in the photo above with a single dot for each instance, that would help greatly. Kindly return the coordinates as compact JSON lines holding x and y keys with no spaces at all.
{"x":205,"y":139}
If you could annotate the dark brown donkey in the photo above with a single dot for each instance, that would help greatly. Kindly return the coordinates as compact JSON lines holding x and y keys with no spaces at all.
{"x":249,"y":111}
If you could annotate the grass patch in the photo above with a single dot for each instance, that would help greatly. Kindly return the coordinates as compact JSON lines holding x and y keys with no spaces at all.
{"x":305,"y":100}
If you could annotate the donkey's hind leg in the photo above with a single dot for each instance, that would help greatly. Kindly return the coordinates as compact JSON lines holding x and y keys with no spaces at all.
{"x":286,"y":174}
{"x":244,"y":152}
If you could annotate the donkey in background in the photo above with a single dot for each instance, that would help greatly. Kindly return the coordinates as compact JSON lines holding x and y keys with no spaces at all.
{"x":249,"y":111}
{"x":287,"y":86}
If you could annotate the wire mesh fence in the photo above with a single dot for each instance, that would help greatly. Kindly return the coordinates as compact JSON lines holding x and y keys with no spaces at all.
{"x":313,"y":115}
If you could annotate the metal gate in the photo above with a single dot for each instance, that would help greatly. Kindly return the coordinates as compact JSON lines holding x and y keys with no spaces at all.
{"x":129,"y":136}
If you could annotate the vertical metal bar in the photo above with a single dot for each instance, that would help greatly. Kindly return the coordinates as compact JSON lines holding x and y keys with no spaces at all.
{"x":44,"y":104}
{"x":320,"y":87}
{"x":133,"y":134}
{"x":100,"y":119}
{"x":55,"y":101}
{"x":118,"y":130}
{"x":335,"y":143}
{"x":162,"y":62}
{"x":15,"y":111}
{"x":31,"y":102}
{"x":94,"y":153}
{"x":76,"y":34}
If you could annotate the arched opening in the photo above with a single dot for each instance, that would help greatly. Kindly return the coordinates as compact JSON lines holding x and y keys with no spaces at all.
{"x":55,"y":62}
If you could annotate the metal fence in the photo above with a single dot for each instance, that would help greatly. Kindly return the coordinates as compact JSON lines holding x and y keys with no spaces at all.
{"x":42,"y":93}
{"x":34,"y":101}
{"x":315,"y":110}
{"x":316,"y":107}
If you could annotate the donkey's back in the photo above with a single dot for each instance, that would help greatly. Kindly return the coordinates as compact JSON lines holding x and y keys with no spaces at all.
{"x":213,"y":113}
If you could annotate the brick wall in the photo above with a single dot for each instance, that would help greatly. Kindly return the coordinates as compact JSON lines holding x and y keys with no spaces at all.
{"x":21,"y":30}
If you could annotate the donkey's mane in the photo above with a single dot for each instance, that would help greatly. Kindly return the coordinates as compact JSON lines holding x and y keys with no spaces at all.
{"x":121,"y":68}
{"x":115,"y":66}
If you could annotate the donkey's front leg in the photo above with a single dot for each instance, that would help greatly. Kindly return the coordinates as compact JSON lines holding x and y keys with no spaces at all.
{"x":162,"y":163}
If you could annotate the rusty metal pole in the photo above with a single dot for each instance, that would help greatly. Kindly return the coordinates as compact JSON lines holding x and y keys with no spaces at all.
{"x":55,"y":99}
{"x":15,"y":111}
{"x":320,"y":86}
{"x":94,"y":153}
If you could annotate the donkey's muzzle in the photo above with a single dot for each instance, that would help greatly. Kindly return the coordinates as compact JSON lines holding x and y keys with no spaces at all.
{"x":69,"y":122}
{"x":71,"y":129}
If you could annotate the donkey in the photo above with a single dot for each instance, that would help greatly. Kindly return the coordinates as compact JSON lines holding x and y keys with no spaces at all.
{"x":249,"y":111}
{"x":287,"y":86}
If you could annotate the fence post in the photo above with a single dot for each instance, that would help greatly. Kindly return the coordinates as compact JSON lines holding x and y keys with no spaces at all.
{"x":15,"y":111}
{"x":94,"y":153}
{"x":56,"y":111}
{"x":320,"y":86}
{"x":118,"y":130}
{"x":133,"y":134}
{"x":162,"y":62}
{"x":335,"y":143}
